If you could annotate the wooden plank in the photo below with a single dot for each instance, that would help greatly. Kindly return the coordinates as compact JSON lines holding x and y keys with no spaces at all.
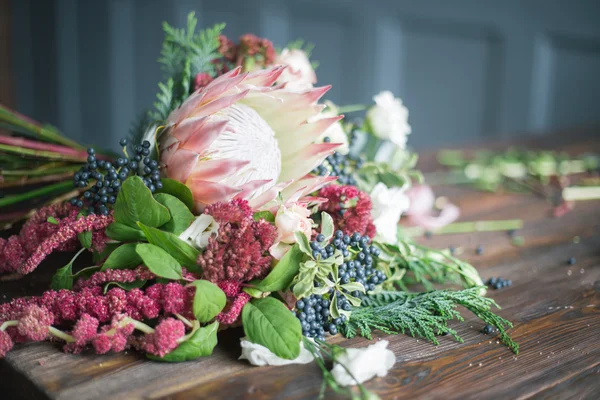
{"x":555,"y":307}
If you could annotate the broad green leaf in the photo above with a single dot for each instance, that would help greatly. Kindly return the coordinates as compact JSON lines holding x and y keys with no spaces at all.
{"x":85,"y":273}
{"x":135,"y":203}
{"x":209,"y":300}
{"x":266,"y":215}
{"x":283,"y":273}
{"x":97,"y":258}
{"x":124,"y":257}
{"x":333,"y":308}
{"x":302,"y":241}
{"x":124,"y":233}
{"x":200,"y":344}
{"x":352,"y":286}
{"x":181,"y":217}
{"x":270,"y":323}
{"x":254,"y":292}
{"x":125,"y":285}
{"x":52,"y":220}
{"x":63,"y":278}
{"x":327,"y":226}
{"x":85,"y":238}
{"x":158,"y":261}
{"x":185,"y":254}
{"x":179,"y":190}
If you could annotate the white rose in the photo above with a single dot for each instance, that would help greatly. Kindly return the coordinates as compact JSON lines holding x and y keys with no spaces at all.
{"x":198,"y":233}
{"x":388,"y":206}
{"x":290,"y":220}
{"x":388,"y":119}
{"x":299,"y":75}
{"x":260,"y":355}
{"x":335,"y":132}
{"x":363,"y":364}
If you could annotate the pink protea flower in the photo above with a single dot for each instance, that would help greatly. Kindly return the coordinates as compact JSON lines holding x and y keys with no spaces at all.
{"x":35,"y":323}
{"x":6,"y":343}
{"x":165,"y":337}
{"x":240,"y":137}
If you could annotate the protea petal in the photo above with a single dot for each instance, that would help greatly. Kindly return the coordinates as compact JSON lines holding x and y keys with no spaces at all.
{"x":210,"y":131}
{"x":216,"y":169}
{"x":306,"y":160}
{"x":207,"y":192}
{"x":181,"y":164}
{"x":249,"y":188}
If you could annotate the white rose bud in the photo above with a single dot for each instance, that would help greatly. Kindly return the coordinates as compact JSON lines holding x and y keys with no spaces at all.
{"x":363,"y":364}
{"x":201,"y":229}
{"x":290,"y":220}
{"x":299,"y":74}
{"x":388,"y":119}
{"x":259,"y":355}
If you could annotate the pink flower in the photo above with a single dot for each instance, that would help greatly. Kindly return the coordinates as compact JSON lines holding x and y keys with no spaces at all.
{"x":235,"y":309}
{"x":241,"y":136}
{"x":230,"y":288}
{"x":115,"y":275}
{"x":299,"y":74}
{"x":6,"y":343}
{"x":85,"y":329}
{"x":35,"y":322}
{"x":421,"y":210}
{"x":165,"y":337}
{"x":350,"y":209}
{"x":102,"y":344}
{"x":289,"y":220}
{"x":201,"y":80}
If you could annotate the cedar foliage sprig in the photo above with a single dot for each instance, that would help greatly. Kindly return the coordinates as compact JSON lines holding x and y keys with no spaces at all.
{"x":423,"y":314}
{"x":184,"y":54}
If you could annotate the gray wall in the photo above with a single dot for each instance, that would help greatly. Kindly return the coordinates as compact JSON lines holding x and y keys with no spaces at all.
{"x":467,"y":69}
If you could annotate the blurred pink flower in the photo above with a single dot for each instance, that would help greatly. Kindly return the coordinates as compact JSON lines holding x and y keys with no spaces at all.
{"x":421,"y":210}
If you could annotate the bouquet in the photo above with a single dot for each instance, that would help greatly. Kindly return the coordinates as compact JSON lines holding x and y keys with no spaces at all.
{"x":242,"y":200}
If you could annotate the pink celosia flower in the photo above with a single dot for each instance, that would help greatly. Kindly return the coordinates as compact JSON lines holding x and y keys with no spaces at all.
{"x":240,"y":251}
{"x":235,"y":309}
{"x":227,"y":48}
{"x":240,"y":136}
{"x":230,"y":288}
{"x":35,"y":322}
{"x":115,"y":275}
{"x":85,"y":329}
{"x":6,"y":343}
{"x":201,"y":80}
{"x":102,"y":344}
{"x":165,"y":337}
{"x":350,"y":209}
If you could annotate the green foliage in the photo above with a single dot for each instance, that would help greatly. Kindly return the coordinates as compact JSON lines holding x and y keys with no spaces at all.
{"x":283,"y":273}
{"x":123,"y":257}
{"x":181,"y":216}
{"x":159,"y":262}
{"x":179,"y":190}
{"x":209,"y":300}
{"x":423,"y":314}
{"x":200,"y":344}
{"x":135,"y":203}
{"x":185,"y":254}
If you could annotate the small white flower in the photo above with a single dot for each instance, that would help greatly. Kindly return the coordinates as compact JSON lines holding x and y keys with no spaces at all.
{"x":260,"y":355}
{"x":335,"y":132}
{"x":363,"y":364}
{"x":198,"y":233}
{"x":388,"y":119}
{"x":299,"y":74}
{"x":388,"y":206}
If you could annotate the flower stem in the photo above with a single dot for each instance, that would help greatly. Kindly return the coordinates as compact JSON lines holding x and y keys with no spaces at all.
{"x":6,"y":324}
{"x":184,"y":320}
{"x":39,"y":153}
{"x":36,"y":145}
{"x":32,"y":194}
{"x":61,"y":335}
{"x":467,"y":227}
{"x":351,"y":108}
{"x":578,"y":193}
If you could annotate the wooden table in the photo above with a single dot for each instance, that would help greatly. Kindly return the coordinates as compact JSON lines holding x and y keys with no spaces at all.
{"x":555,"y":308}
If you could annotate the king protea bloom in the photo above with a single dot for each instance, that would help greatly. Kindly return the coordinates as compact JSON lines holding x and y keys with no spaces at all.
{"x":241,"y":136}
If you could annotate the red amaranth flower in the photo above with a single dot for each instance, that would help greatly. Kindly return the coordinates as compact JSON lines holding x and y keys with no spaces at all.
{"x":230,"y":288}
{"x":6,"y":343}
{"x":165,"y":337}
{"x":235,"y":309}
{"x":67,"y":231}
{"x":85,"y":329}
{"x":115,"y":275}
{"x":350,"y":209}
{"x":35,"y":322}
{"x":227,"y":48}
{"x":201,"y":80}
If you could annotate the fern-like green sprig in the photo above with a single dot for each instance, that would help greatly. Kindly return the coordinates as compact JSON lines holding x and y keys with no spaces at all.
{"x":424,"y":314}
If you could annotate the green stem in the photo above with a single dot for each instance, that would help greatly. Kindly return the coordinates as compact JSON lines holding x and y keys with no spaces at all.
{"x":467,"y":227}
{"x":140,"y":326}
{"x":184,"y":320}
{"x":39,"y":153}
{"x":578,"y":193}
{"x":39,"y":171}
{"x":32,"y":194}
{"x":351,"y":108}
{"x":6,"y":324}
{"x":61,"y":335}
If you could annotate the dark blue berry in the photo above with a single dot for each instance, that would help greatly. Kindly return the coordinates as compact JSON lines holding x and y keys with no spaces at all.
{"x":123,"y":142}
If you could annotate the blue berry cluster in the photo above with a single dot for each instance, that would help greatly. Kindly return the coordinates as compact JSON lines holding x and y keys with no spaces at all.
{"x":313,"y":313}
{"x":108,"y":177}
{"x":342,"y":166}
{"x":358,"y":266}
{"x":499,"y":283}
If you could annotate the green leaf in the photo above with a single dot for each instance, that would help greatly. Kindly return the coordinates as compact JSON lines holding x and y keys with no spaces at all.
{"x":97,"y":258}
{"x":63,"y":278}
{"x":181,"y":217}
{"x":268,"y":322}
{"x":52,"y":220}
{"x":135,"y":203}
{"x":179,"y":190}
{"x":185,"y":254}
{"x":352,"y":286}
{"x":302,"y":241}
{"x":200,"y":344}
{"x":125,"y":285}
{"x":209,"y":300}
{"x":124,"y":257}
{"x":85,"y":238}
{"x":327,"y":226}
{"x":124,"y":233}
{"x":158,"y":261}
{"x":283,"y":273}
{"x":86,"y":272}
{"x":266,"y":215}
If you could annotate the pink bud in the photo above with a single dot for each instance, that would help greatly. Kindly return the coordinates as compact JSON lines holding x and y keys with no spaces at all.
{"x":35,"y":322}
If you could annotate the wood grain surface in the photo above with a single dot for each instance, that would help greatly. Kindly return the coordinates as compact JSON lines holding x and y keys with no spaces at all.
{"x":555,"y":308}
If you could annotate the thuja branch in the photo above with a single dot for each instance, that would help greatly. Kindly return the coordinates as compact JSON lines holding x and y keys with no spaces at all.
{"x":423,"y":314}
